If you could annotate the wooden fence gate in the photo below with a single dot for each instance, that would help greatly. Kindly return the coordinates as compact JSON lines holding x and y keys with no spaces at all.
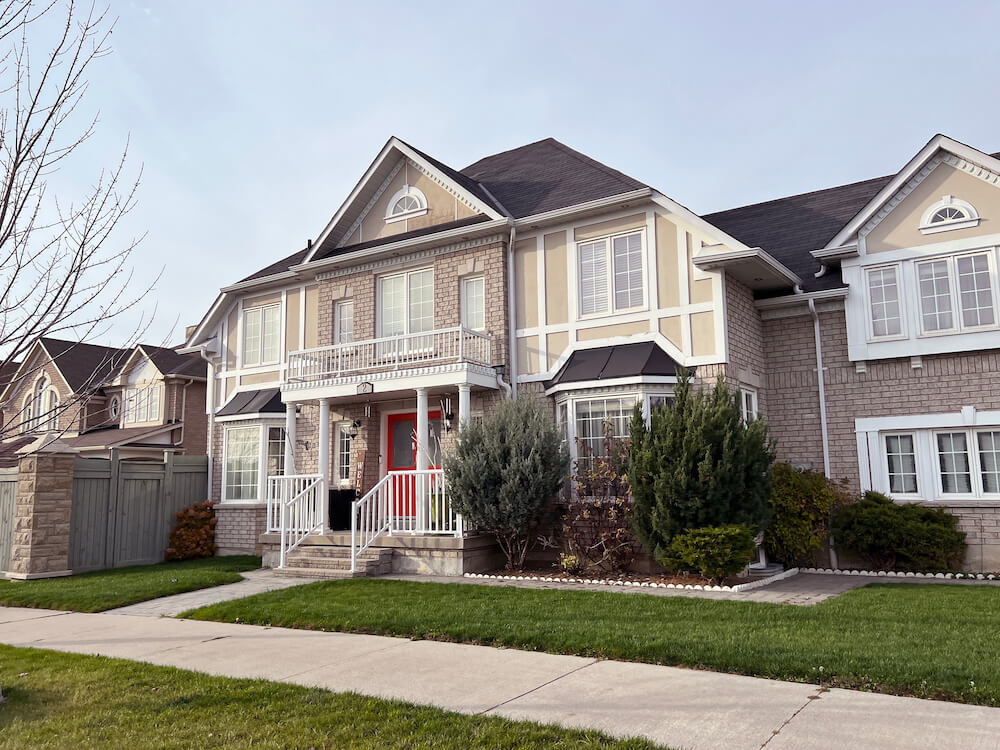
{"x":8,"y":496}
{"x":123,"y":511}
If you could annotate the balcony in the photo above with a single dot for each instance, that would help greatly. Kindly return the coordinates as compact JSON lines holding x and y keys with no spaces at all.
{"x":384,"y":355}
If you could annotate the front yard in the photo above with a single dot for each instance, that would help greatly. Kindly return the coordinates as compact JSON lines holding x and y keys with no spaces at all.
{"x":69,"y":701}
{"x":906,"y":639}
{"x":107,"y":589}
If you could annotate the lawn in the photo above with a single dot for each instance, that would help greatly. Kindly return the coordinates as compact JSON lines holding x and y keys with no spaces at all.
{"x":907,"y":639}
{"x":69,"y":701}
{"x":107,"y":589}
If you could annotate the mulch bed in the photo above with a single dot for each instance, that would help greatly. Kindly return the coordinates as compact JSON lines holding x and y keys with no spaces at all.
{"x":677,"y":579}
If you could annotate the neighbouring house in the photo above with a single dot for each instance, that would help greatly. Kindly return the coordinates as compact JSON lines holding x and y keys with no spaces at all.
{"x":140,"y":401}
{"x":860,"y":319}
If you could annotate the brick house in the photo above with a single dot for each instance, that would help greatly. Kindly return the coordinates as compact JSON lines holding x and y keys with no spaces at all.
{"x":861,"y":320}
{"x":141,"y":400}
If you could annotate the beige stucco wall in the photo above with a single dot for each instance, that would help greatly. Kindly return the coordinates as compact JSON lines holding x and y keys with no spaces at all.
{"x":556,"y":344}
{"x":703,"y":333}
{"x":442,"y":207}
{"x":668,"y":289}
{"x":259,"y":378}
{"x":671,"y":329}
{"x":292,"y":312}
{"x":528,"y":359}
{"x":612,"y":331}
{"x":901,"y":228}
{"x":526,"y":282}
{"x":611,"y":226}
{"x":556,"y":279}
{"x":312,"y":321}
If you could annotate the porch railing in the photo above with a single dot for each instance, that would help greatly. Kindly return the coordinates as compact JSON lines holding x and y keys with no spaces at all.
{"x":391,"y":353}
{"x":403,"y":502}
{"x":295,"y":503}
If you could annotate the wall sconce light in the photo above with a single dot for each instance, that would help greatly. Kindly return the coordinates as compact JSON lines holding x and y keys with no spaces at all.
{"x":353,"y":433}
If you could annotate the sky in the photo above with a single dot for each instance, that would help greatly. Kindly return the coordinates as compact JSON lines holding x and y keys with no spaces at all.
{"x":251,"y":121}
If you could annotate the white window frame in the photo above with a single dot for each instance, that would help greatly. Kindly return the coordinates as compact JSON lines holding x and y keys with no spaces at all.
{"x":379,"y":281}
{"x":267,"y":448}
{"x":140,"y":401}
{"x":884,"y":452}
{"x":261,"y":311}
{"x":407,"y":191}
{"x":748,"y":404}
{"x":609,"y":260}
{"x":225,"y":464}
{"x":957,"y":318}
{"x":339,"y":316}
{"x":466,"y":282}
{"x":901,"y":299}
{"x":343,"y":429}
{"x":970,"y":218}
{"x":569,"y":399}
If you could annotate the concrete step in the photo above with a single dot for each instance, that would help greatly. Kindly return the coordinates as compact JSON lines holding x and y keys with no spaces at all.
{"x":338,"y":552}
{"x":316,"y":573}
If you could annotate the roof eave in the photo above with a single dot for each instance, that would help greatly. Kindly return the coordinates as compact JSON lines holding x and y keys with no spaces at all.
{"x":801,"y":298}
{"x":754,"y":260}
{"x":562,"y":214}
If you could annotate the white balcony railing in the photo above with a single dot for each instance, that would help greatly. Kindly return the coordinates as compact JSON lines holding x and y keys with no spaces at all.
{"x":391,"y":353}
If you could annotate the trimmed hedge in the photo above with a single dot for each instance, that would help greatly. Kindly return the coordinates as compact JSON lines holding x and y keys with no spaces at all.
{"x":903,"y":536}
{"x":715,"y":551}
{"x":801,"y":503}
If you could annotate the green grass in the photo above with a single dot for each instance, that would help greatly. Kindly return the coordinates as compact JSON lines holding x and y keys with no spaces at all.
{"x":69,"y":701}
{"x":907,"y":639}
{"x":107,"y":589}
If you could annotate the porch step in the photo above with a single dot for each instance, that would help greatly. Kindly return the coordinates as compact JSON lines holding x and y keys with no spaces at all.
{"x":335,"y":562}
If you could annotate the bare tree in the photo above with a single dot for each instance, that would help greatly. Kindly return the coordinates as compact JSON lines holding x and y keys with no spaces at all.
{"x":61,"y":272}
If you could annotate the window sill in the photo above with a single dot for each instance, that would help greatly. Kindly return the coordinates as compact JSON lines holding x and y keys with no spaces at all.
{"x":407,"y":215}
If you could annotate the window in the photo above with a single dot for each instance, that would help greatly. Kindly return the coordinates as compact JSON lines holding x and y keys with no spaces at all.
{"x":406,"y":203}
{"x":972,"y":307}
{"x":748,"y":405}
{"x":406,"y":303}
{"x":344,"y":453}
{"x":142,"y":404}
{"x":953,"y":457}
{"x":593,"y":414}
{"x":947,"y":214}
{"x":989,"y":460}
{"x":623,"y":255}
{"x":275,"y":451}
{"x":26,"y":413}
{"x":883,"y":293}
{"x":902,"y":463}
{"x":655,"y":402}
{"x":261,"y":335}
{"x":53,"y":408}
{"x":242,"y":466}
{"x":343,"y":322}
{"x":975,"y":289}
{"x":474,"y":303}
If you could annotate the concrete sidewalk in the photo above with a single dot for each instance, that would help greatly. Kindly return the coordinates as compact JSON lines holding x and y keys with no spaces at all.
{"x":676,"y":707}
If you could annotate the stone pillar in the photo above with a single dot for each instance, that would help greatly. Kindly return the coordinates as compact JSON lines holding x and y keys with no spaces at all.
{"x":42,"y":512}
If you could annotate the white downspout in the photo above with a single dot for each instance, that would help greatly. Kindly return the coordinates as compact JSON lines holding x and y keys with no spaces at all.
{"x":821,"y":381}
{"x":511,"y":315}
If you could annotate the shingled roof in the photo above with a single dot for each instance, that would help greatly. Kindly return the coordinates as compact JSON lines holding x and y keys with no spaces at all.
{"x":84,"y":365}
{"x":169,"y":362}
{"x":545,"y":176}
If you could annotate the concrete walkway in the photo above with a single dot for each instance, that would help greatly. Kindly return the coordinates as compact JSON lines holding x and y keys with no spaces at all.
{"x":676,"y":707}
{"x":254,"y":582}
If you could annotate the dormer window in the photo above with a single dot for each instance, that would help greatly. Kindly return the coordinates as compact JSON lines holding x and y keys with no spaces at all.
{"x":947,"y":214}
{"x":407,"y":203}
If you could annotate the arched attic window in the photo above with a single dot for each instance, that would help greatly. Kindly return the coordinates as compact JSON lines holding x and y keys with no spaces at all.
{"x":406,"y":203}
{"x":947,"y":214}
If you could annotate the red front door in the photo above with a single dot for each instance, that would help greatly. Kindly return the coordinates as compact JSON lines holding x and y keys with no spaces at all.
{"x":403,"y":456}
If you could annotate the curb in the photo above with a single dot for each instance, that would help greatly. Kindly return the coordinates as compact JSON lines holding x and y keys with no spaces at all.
{"x":901,"y":574}
{"x":641,"y":584}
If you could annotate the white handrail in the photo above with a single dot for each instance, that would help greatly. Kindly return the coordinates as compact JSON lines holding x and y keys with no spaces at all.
{"x":458,"y":344}
{"x":407,"y":502}
{"x":301,"y":514}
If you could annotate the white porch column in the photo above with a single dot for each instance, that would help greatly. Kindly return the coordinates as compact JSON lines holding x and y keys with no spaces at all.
{"x":324,"y":457}
{"x":464,"y":405}
{"x":423,"y":427}
{"x":289,"y":438}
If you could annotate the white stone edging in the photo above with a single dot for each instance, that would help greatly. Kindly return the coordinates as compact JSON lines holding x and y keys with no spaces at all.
{"x":641,"y":584}
{"x":901,"y":574}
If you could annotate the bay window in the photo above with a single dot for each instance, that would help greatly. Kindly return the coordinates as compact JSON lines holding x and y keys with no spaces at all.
{"x":275,"y":451}
{"x":596,"y":416}
{"x":242,"y":463}
{"x":611,"y":271}
{"x":262,"y":335}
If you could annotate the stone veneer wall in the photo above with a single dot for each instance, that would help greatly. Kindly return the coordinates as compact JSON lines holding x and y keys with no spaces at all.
{"x":42,"y":516}
{"x":944,"y":383}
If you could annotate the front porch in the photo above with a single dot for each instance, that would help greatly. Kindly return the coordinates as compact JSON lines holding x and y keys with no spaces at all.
{"x":366,"y":426}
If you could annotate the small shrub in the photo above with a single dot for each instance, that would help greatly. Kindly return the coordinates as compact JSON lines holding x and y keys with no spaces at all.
{"x":801,"y":505}
{"x":904,"y":536}
{"x":503,"y":473}
{"x":194,"y":533}
{"x":715,"y":552}
{"x":596,"y":529}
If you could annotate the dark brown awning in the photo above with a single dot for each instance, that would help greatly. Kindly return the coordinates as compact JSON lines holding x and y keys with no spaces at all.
{"x":611,"y":362}
{"x":267,"y":401}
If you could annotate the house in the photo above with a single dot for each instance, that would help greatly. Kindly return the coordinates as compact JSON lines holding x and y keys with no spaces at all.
{"x":140,"y":401}
{"x":861,"y":320}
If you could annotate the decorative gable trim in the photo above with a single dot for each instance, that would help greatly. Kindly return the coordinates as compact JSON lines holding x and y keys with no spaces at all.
{"x":900,"y":196}
{"x":371,"y":204}
{"x":397,"y":261}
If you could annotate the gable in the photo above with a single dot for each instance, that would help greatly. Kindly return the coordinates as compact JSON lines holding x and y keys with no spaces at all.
{"x":32,"y":368}
{"x":442,"y":206}
{"x":897,"y":225}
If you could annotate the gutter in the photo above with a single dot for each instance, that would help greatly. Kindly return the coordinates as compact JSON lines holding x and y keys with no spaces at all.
{"x":821,"y":380}
{"x":511,"y":314}
{"x":582,"y":208}
{"x":801,"y":298}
